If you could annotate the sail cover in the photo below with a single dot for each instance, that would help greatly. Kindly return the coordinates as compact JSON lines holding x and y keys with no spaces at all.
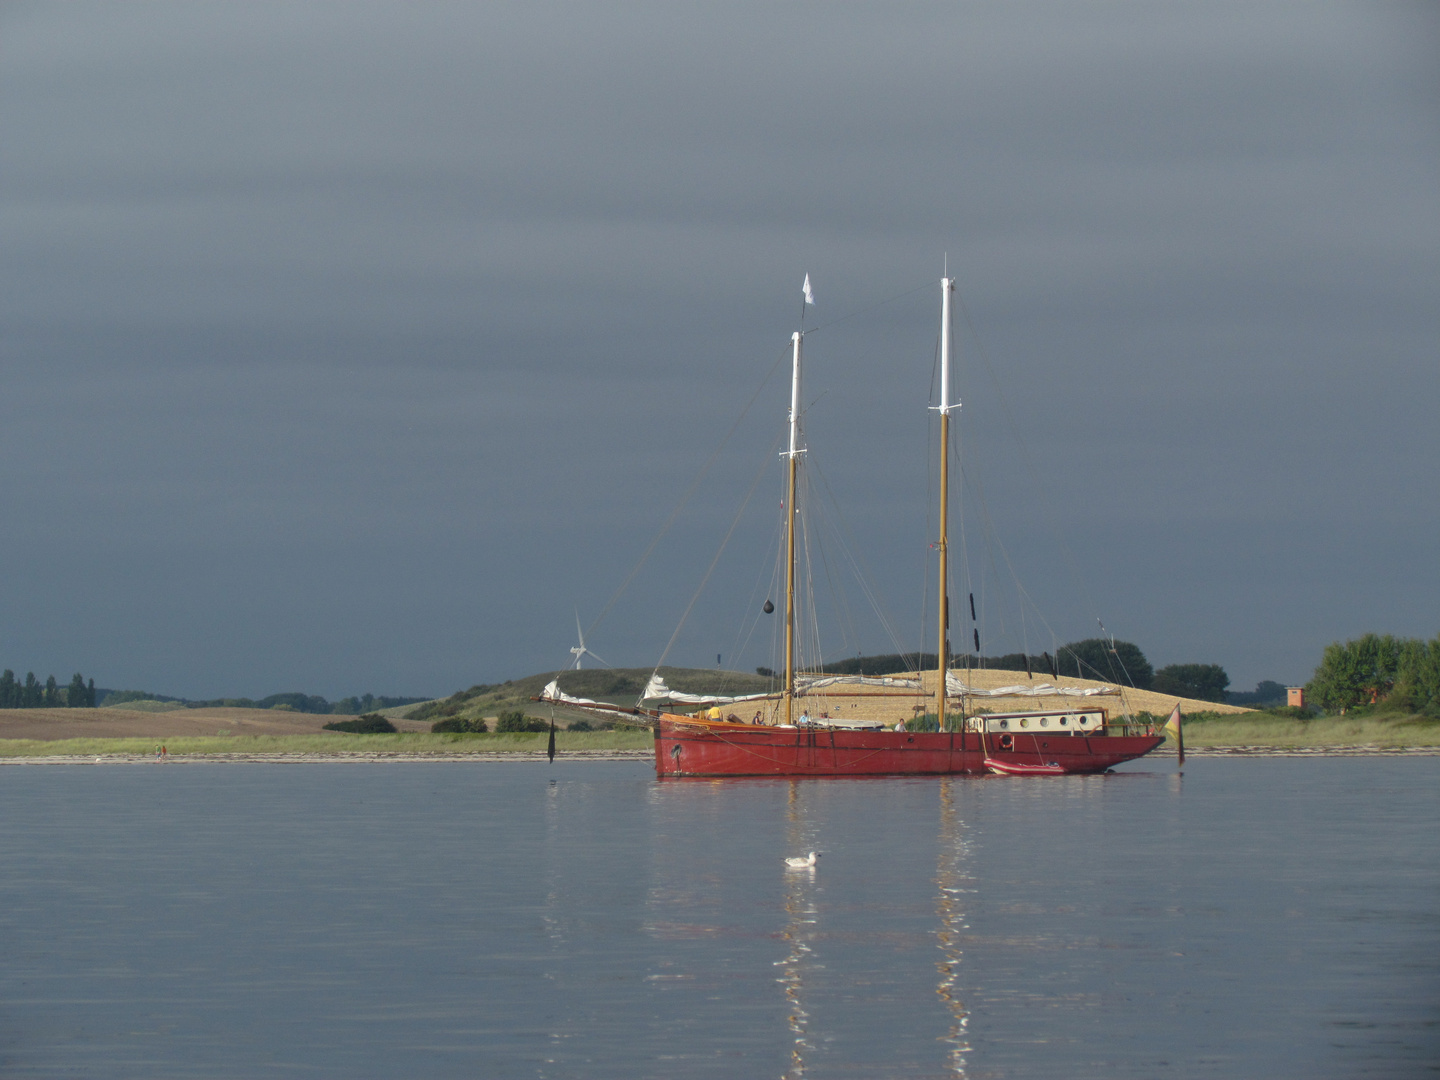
{"x":955,"y":688}
{"x":552,"y":692}
{"x":819,"y":683}
{"x":656,"y":689}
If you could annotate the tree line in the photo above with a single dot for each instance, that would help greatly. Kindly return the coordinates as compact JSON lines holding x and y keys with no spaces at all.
{"x":1375,"y":668}
{"x":308,"y":703}
{"x":32,"y":694}
{"x":1102,"y":659}
{"x":81,"y":694}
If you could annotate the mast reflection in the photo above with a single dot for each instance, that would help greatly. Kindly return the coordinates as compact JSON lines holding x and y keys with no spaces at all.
{"x":952,"y":882}
{"x":801,"y":917}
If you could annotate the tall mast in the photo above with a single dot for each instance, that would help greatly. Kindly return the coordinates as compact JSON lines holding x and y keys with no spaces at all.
{"x":943,"y":652}
{"x":793,"y":454}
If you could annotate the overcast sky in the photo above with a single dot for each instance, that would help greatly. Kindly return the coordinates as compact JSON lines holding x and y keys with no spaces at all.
{"x":353,"y":347}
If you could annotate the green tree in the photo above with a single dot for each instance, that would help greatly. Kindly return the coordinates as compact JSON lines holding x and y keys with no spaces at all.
{"x":369,"y":724}
{"x":1357,"y":672}
{"x":1204,"y":682}
{"x":75,"y":692}
{"x":515,"y":720}
{"x":9,"y":691}
{"x":459,"y":725}
{"x":1096,"y":658}
{"x":1417,"y":676}
{"x":33,"y":693}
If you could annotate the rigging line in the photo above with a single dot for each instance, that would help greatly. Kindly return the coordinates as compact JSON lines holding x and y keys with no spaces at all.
{"x":992,"y":540}
{"x":743,"y":636}
{"x":720,"y":551}
{"x":932,"y":486}
{"x":857,"y":564}
{"x":871,"y":307}
{"x":1106,"y":634}
{"x":685,"y":498}
{"x":810,"y":640}
{"x":1024,"y":596}
{"x":1010,"y":421}
{"x":844,"y":616}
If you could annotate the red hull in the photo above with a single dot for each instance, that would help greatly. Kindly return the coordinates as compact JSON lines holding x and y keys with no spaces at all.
{"x":686,"y":748}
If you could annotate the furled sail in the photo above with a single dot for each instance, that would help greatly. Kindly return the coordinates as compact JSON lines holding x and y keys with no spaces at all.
{"x":656,"y":689}
{"x":552,"y":692}
{"x":820,"y":682}
{"x":955,"y":688}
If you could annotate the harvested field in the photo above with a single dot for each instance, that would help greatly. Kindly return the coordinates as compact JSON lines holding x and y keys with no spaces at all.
{"x":888,"y":706}
{"x":122,"y":723}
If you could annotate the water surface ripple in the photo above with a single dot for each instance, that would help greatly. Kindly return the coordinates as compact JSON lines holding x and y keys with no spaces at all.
{"x":1257,"y":917}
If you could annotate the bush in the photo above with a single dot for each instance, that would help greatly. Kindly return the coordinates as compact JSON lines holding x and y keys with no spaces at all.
{"x":369,"y":724}
{"x":1293,"y":712}
{"x":448,"y":706}
{"x":587,"y":725}
{"x":459,"y":725}
{"x":1201,"y":682}
{"x":1267,"y":692}
{"x":512,"y":720}
{"x":1097,"y":658}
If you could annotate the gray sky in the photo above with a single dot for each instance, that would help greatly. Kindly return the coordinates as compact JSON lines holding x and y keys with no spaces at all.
{"x":353,"y":346}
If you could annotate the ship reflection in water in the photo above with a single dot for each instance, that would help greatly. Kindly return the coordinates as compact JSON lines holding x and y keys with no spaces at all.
{"x":800,"y":929}
{"x":802,"y":926}
{"x":583,"y":920}
{"x":952,"y":885}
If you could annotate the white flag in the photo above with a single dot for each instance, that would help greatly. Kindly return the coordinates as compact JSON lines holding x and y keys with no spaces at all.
{"x":809,"y":296}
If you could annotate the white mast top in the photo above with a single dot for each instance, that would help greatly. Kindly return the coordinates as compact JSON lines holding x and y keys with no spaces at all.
{"x":795,"y":448}
{"x":947,"y":286}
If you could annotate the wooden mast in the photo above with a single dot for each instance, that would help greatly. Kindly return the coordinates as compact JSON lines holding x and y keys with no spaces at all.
{"x":793,"y":454}
{"x":943,"y":652}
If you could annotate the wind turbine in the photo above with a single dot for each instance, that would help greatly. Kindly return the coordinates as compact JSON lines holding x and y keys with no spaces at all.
{"x":580,"y":651}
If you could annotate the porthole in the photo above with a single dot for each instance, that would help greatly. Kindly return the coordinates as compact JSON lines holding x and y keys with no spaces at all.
{"x":1004,"y":723}
{"x":1024,"y":722}
{"x":1064,"y":720}
{"x":1044,"y":722}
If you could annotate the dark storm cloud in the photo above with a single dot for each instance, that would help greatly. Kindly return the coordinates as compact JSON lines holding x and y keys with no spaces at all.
{"x":347,"y":346}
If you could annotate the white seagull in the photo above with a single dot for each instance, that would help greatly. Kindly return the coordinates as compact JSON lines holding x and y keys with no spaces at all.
{"x":797,"y":863}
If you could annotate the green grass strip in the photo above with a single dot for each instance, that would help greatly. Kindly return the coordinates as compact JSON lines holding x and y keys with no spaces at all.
{"x":1257,"y":729}
{"x":333,"y":743}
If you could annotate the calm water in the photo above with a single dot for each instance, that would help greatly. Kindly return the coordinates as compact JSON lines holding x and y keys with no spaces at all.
{"x":1263,"y":917}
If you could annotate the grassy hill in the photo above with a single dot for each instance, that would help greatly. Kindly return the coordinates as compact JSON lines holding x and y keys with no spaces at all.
{"x":615,"y":686}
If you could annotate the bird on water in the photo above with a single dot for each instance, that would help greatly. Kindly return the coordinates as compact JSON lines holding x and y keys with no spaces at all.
{"x":797,"y":863}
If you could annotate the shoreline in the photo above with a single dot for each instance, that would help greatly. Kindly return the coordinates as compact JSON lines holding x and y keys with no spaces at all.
{"x":369,"y":757}
{"x":306,"y":758}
